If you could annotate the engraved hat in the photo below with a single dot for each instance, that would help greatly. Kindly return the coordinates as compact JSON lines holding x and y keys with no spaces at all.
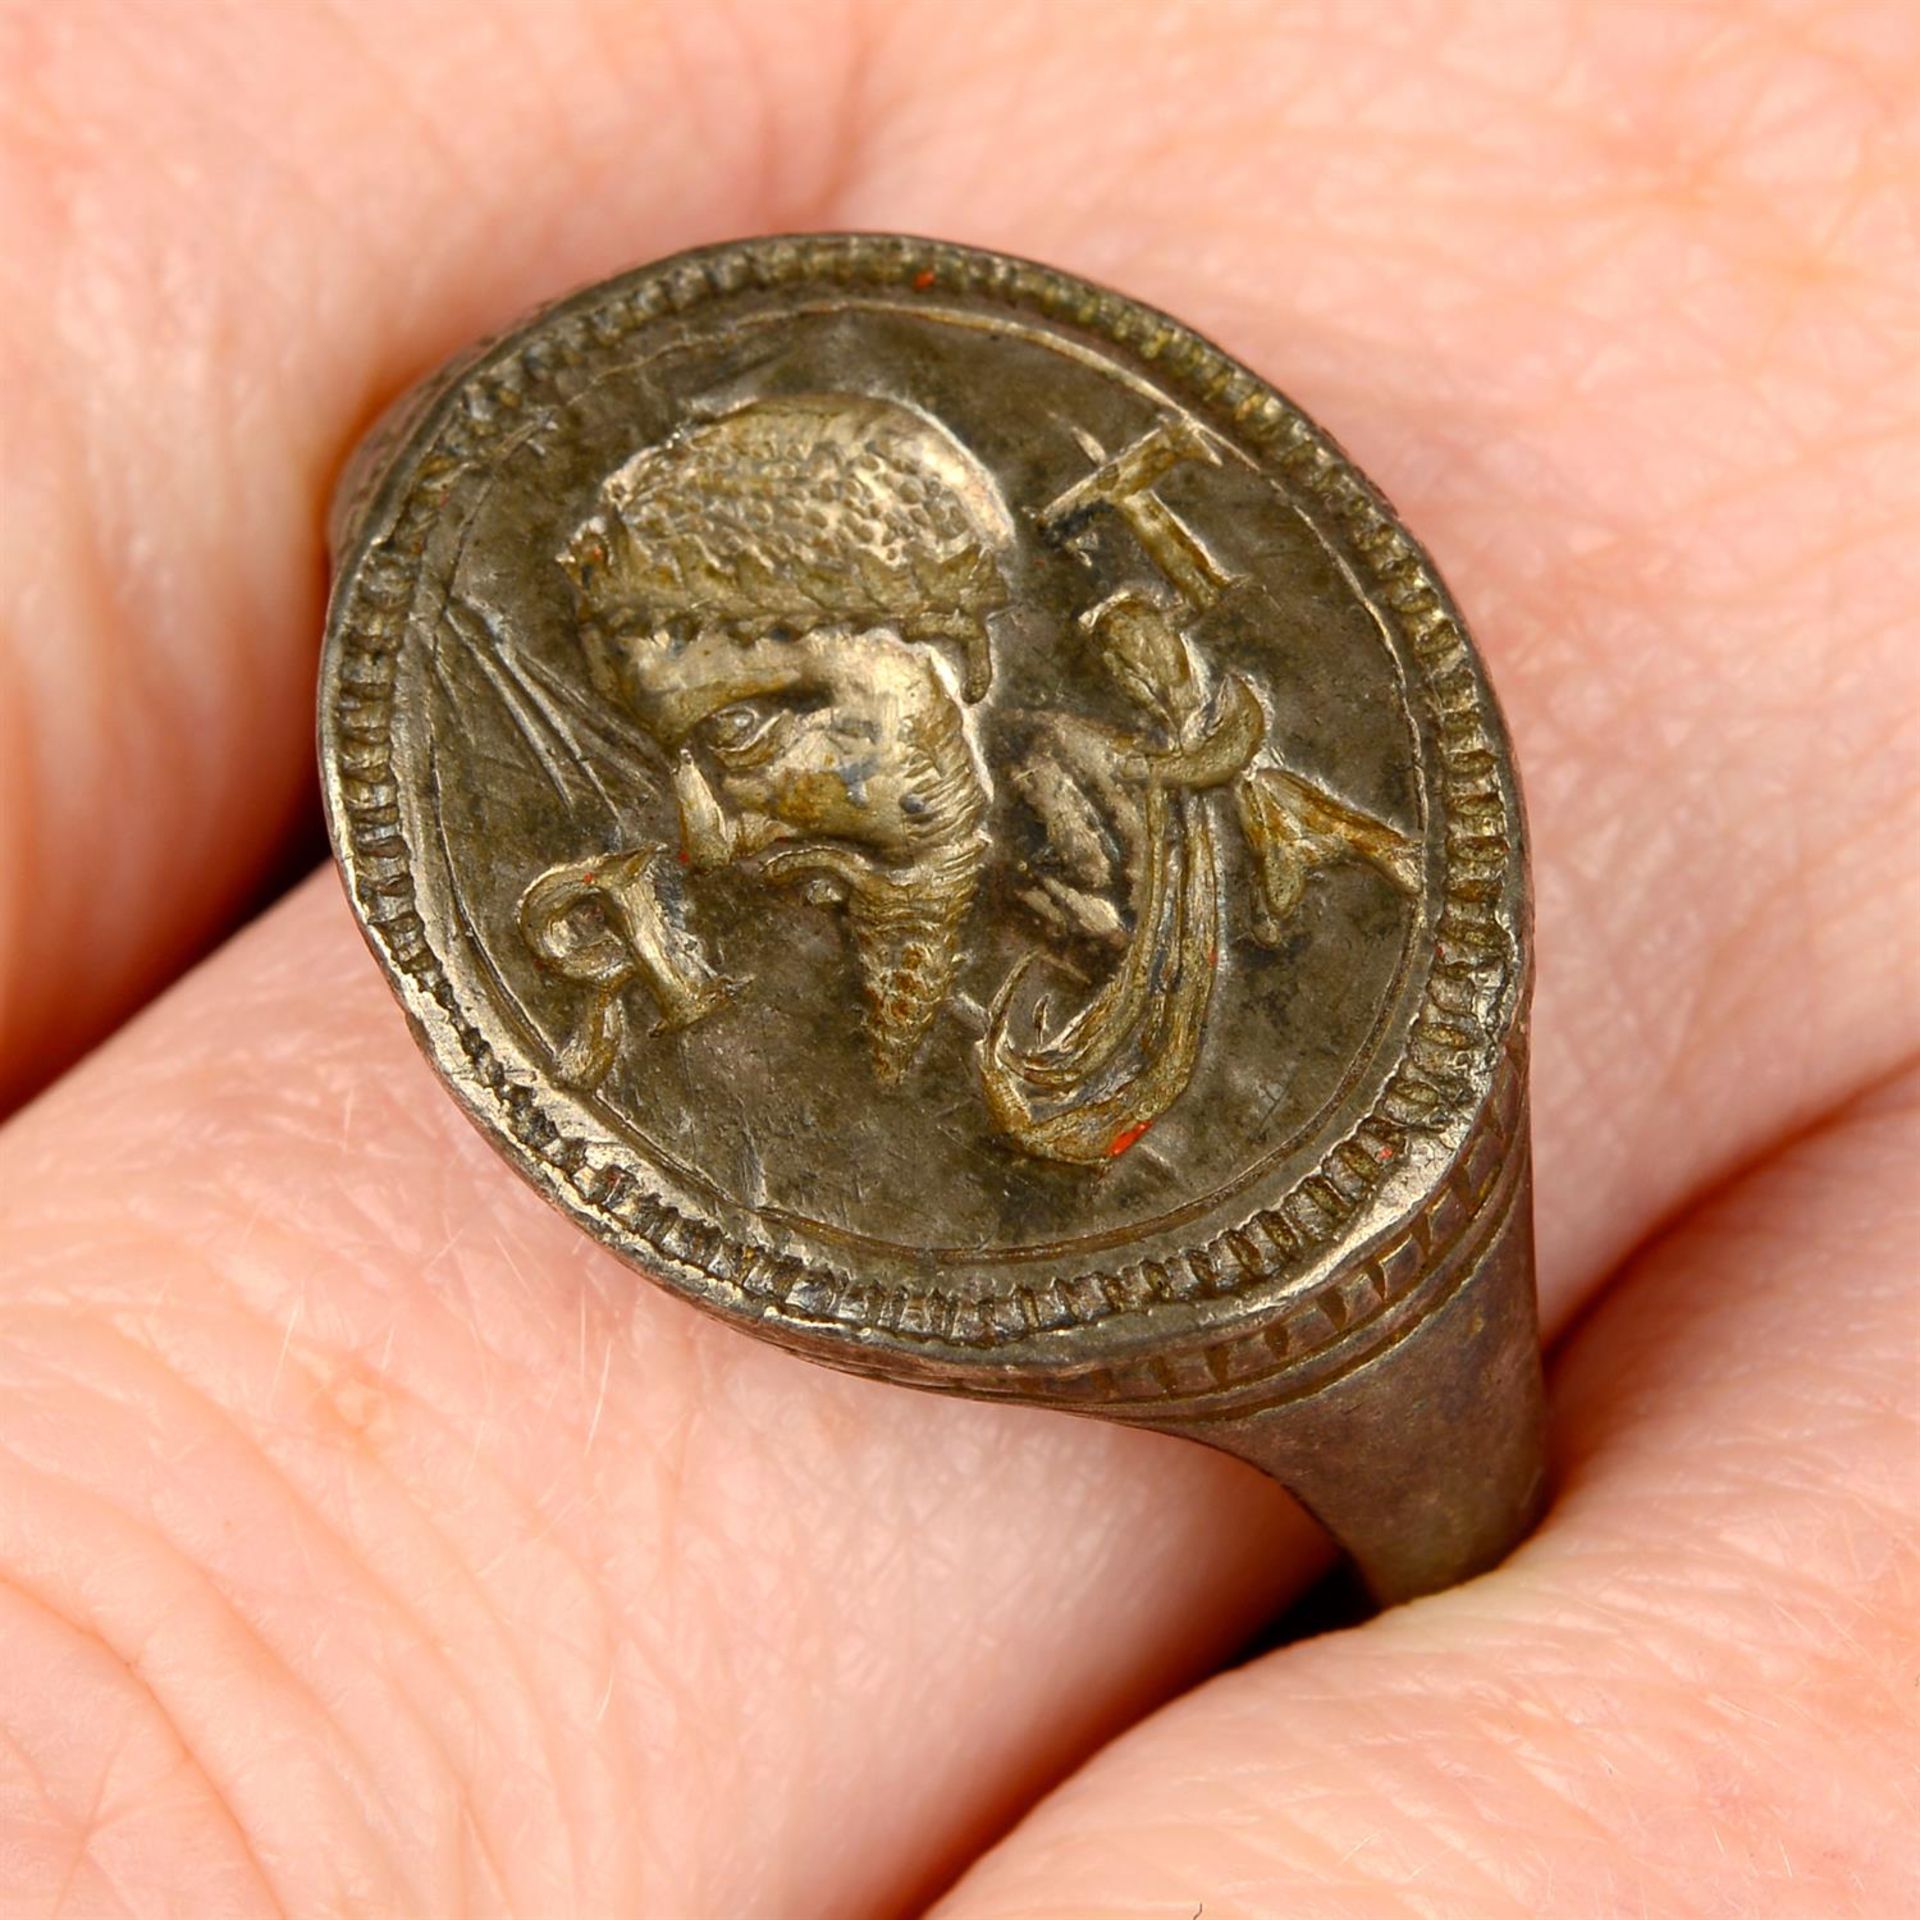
{"x":802,"y":511}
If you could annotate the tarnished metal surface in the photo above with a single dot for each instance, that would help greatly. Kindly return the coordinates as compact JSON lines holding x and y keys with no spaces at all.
{"x":942,"y":818}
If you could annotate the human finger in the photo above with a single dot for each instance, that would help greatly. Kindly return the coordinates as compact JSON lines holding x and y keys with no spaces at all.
{"x":1692,"y":1693}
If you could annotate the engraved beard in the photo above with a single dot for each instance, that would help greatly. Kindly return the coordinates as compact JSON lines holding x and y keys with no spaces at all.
{"x":905,"y":924}
{"x":905,"y":918}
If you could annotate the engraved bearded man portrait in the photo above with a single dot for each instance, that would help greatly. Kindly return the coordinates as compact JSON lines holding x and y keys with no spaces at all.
{"x":796,"y":601}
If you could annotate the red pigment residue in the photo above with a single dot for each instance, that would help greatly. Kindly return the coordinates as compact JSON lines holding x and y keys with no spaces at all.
{"x":1125,"y":1138}
{"x":923,"y":280}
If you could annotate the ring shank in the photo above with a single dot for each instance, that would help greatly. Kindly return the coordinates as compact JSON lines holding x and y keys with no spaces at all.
{"x":1427,"y":1463}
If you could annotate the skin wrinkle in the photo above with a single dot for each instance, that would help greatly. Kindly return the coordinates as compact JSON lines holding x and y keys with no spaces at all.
{"x":27,"y":1767}
{"x":137,"y":1663}
{"x":1443,"y":1817}
{"x":223,"y":1596}
{"x":501,"y":1649}
{"x":397,"y":1394}
{"x":1533,"y":1760}
{"x":87,"y":1823}
{"x":90,"y":1831}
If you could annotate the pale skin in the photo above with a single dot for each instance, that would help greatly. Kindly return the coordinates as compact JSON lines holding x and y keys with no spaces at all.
{"x":370,"y":1542}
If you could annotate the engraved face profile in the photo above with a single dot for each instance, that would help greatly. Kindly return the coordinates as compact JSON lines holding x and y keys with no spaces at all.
{"x":932,"y":809}
{"x":792,"y":599}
